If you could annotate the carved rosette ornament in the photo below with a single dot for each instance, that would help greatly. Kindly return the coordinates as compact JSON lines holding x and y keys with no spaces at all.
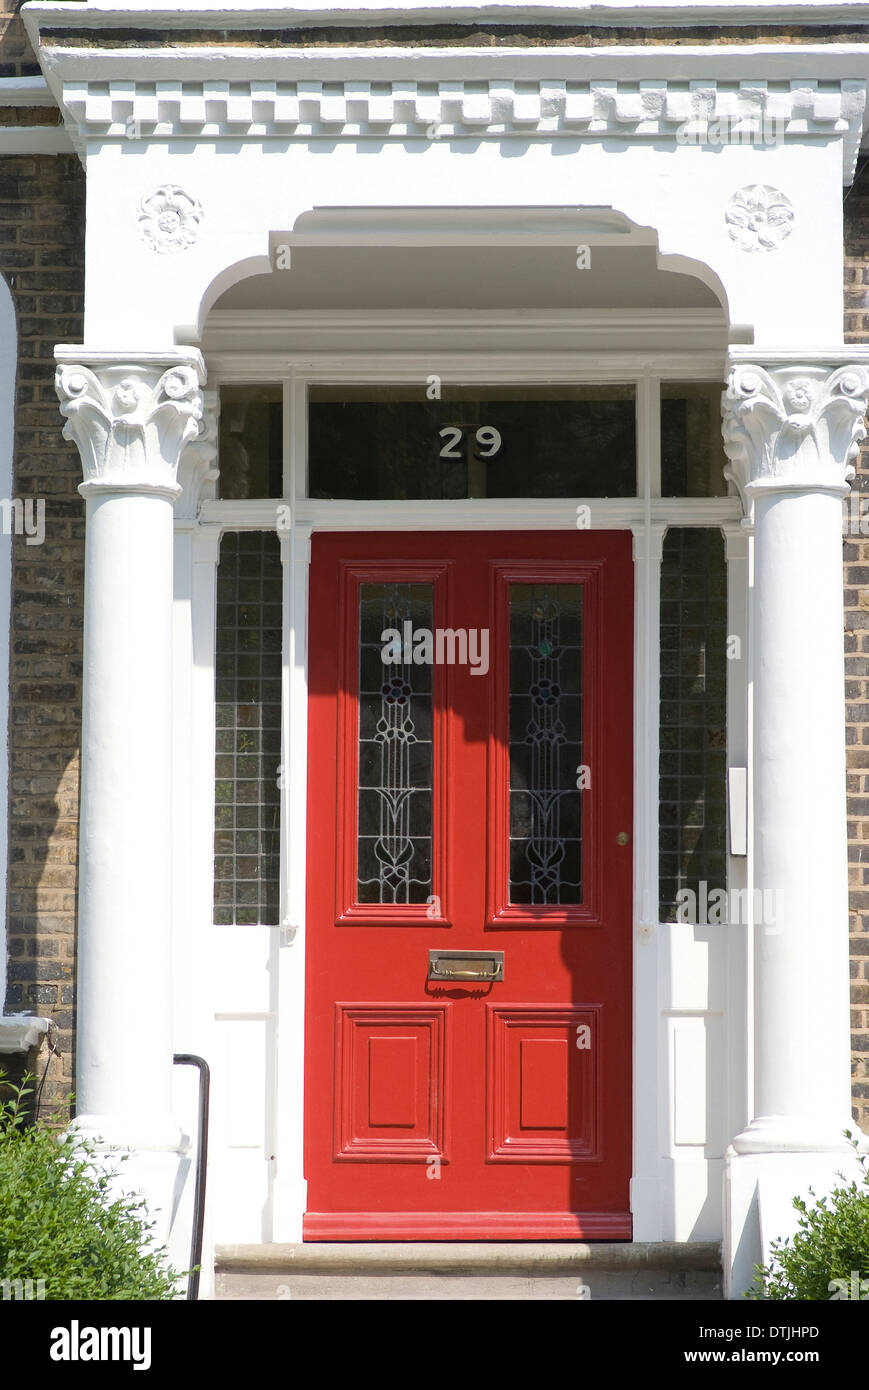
{"x":759,"y":217}
{"x":169,"y":219}
{"x":130,"y":423}
{"x":793,"y":427}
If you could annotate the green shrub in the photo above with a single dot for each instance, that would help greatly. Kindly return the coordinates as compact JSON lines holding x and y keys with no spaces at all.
{"x":828,"y":1258}
{"x":58,"y":1223}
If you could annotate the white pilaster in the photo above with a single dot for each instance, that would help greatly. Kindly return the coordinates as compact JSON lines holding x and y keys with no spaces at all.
{"x":290,"y":1185}
{"x":196,"y":552}
{"x":790,"y":432}
{"x":130,"y":415}
{"x":651,"y":1222}
{"x":740,"y":867}
{"x":8,"y":364}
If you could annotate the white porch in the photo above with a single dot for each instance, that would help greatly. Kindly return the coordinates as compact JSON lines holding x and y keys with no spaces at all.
{"x":737,"y":1104}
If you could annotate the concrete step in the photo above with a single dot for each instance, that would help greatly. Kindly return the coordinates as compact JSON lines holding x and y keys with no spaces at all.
{"x":470,"y":1270}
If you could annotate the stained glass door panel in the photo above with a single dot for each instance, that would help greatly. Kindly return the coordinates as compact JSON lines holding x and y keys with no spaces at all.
{"x":469,"y":796}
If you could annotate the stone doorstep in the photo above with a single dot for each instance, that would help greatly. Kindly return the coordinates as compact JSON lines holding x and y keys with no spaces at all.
{"x":595,"y":1286}
{"x":471,"y":1258}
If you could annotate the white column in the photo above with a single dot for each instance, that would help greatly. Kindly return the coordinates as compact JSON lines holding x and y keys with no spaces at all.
{"x":131,"y":417}
{"x":791,"y":431}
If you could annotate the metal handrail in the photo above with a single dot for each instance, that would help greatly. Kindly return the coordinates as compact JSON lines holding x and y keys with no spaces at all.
{"x":190,"y":1059}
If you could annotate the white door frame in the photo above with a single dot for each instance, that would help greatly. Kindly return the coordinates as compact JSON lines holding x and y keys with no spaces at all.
{"x":688,"y":982}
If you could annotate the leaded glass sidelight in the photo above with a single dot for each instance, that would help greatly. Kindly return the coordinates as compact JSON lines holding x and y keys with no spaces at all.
{"x":545,"y":743}
{"x":693,"y":757}
{"x":248,"y":714}
{"x":394,"y":855}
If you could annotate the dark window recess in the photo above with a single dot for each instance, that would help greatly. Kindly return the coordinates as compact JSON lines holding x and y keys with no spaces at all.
{"x":248,"y":710}
{"x":251,"y":442}
{"x":545,"y":743}
{"x":394,"y":444}
{"x":692,"y":446}
{"x":693,"y":759}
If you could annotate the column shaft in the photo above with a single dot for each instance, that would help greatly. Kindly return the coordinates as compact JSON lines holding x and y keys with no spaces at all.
{"x":801,"y":935}
{"x":125,"y":862}
{"x":131,"y":420}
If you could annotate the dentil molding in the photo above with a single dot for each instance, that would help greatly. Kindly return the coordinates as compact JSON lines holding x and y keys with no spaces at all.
{"x":792,"y":426}
{"x":677,"y":108}
{"x":130,"y":416}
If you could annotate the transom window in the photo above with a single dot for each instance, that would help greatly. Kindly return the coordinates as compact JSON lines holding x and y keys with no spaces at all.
{"x":436,"y":440}
{"x":439,"y":441}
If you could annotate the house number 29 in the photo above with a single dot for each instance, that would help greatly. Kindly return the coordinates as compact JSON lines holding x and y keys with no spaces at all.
{"x":487,"y":438}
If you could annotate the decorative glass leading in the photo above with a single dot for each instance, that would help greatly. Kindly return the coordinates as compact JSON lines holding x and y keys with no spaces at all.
{"x":395,"y":750}
{"x":248,"y":712}
{"x":693,"y":760}
{"x":546,"y":743}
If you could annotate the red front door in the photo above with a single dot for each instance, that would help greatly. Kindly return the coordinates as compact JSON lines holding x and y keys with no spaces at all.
{"x":468,"y":1036}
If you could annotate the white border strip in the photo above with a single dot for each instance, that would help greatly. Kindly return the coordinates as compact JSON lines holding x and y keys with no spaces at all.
{"x":203,"y":14}
{"x":8,"y":365}
{"x":25,"y":91}
{"x":35,"y":139}
{"x":779,"y":62}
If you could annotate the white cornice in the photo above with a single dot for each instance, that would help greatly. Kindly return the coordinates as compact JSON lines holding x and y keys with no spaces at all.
{"x":565,"y":107}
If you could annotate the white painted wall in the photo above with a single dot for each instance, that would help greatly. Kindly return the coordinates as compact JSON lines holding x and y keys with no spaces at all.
{"x":248,"y":190}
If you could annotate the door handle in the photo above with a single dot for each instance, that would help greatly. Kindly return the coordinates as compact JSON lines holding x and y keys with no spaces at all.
{"x":466,"y":965}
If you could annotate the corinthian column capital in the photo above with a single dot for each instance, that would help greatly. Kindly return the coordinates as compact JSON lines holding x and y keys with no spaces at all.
{"x":130,"y":415}
{"x":790,"y":426}
{"x":197,"y":471}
